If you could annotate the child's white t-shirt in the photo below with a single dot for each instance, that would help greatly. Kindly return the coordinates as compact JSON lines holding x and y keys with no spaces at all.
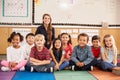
{"x":27,"y":48}
{"x":15,"y":55}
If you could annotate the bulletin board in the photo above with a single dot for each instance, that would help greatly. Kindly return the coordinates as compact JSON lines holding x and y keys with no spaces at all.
{"x":78,"y":11}
{"x":16,"y":11}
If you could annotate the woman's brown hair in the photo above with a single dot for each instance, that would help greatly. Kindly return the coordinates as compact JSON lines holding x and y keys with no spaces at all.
{"x":49,"y":29}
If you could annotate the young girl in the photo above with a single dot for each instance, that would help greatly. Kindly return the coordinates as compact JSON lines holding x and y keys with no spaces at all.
{"x":40,"y":58}
{"x":66,"y":45}
{"x":58,"y":55}
{"x":47,"y":30}
{"x":15,"y":60}
{"x":29,"y":44}
{"x":109,"y":54}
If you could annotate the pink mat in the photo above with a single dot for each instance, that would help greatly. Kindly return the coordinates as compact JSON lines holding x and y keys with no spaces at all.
{"x":6,"y":75}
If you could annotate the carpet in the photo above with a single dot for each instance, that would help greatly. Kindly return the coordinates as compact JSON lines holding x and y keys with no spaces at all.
{"x":25,"y":75}
{"x":6,"y":75}
{"x":73,"y":75}
{"x":104,"y":75}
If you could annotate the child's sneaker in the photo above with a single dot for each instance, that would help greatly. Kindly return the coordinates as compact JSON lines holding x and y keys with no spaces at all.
{"x":31,"y":69}
{"x":51,"y":69}
{"x":68,"y":68}
{"x":22,"y":68}
{"x":5,"y":69}
{"x":116,"y":72}
{"x":91,"y":67}
{"x":73,"y":67}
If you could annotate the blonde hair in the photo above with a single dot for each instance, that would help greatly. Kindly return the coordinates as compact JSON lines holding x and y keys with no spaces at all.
{"x":38,"y":36}
{"x":114,"y":48}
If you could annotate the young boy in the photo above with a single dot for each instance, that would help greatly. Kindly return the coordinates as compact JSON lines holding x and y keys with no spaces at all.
{"x":96,"y":47}
{"x":28,"y":45}
{"x":40,"y":58}
{"x":82,"y":57}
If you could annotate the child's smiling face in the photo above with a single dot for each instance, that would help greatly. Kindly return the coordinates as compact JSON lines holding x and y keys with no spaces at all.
{"x":30,"y":40}
{"x":16,"y":41}
{"x":96,"y":43}
{"x":108,"y":42}
{"x":39,"y":42}
{"x":82,"y":41}
{"x":65,"y":38}
{"x":57,"y":44}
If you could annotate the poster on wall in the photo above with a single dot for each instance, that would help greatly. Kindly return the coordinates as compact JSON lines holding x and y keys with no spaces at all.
{"x":15,"y":8}
{"x":15,"y":12}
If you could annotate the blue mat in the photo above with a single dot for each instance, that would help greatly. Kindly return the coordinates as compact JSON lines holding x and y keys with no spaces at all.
{"x":33,"y":76}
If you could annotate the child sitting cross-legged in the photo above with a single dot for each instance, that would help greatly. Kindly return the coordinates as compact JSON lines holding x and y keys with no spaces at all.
{"x":82,"y":57}
{"x":57,"y":54}
{"x":40,"y":58}
{"x":28,"y":45}
{"x":109,"y":55}
{"x":15,"y":59}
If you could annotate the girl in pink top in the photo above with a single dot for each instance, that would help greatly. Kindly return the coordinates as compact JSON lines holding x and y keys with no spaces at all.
{"x":66,"y":45}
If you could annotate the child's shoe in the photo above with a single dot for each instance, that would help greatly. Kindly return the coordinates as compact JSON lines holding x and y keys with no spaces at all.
{"x":91,"y":68}
{"x":22,"y":68}
{"x":31,"y":69}
{"x":73,"y":67}
{"x":5,"y":69}
{"x":51,"y":69}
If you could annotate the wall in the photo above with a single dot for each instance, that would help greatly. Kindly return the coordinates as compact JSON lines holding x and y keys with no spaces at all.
{"x":79,"y":11}
{"x":62,"y":11}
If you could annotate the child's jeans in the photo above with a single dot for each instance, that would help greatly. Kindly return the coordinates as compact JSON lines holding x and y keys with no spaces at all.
{"x":64,"y":65}
{"x":106,"y":65}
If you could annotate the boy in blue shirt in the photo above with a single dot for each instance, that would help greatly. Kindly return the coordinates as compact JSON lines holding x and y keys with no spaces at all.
{"x":82,"y":57}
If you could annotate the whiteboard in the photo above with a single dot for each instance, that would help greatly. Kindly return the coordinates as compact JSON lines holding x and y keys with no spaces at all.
{"x":15,"y":11}
{"x":78,"y":11}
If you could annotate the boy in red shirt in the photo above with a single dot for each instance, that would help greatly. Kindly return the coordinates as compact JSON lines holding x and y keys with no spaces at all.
{"x":96,"y":47}
{"x":40,"y":58}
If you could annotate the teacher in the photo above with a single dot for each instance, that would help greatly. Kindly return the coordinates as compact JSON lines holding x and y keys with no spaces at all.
{"x":47,"y":30}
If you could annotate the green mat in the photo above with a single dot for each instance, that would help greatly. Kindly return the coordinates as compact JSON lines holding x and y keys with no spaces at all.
{"x":73,"y":75}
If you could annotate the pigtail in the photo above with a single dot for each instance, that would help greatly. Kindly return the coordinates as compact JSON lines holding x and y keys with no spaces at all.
{"x":11,"y":37}
{"x":21,"y":37}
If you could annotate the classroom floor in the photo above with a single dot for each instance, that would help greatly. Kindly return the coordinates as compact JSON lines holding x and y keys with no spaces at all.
{"x":96,"y":74}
